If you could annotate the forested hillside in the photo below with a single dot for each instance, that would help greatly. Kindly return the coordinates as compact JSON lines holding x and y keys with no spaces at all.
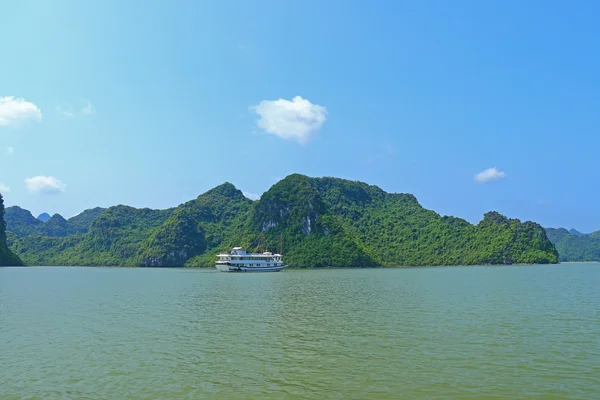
{"x":574,"y":246}
{"x":323,"y":222}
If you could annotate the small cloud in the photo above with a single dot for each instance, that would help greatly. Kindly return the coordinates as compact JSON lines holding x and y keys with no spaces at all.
{"x":89,"y":109}
{"x":66,"y":110}
{"x":4,"y":188}
{"x":383,"y":153}
{"x":44,"y":185}
{"x":10,"y":150}
{"x":295,"y":120}
{"x":490,"y":174}
{"x":252,"y":196}
{"x":13,"y":111}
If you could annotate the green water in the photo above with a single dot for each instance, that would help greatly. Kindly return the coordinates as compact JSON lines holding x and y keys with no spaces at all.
{"x":459,"y":332}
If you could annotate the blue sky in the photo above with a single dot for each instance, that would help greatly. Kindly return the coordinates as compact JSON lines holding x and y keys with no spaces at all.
{"x":152,"y":103}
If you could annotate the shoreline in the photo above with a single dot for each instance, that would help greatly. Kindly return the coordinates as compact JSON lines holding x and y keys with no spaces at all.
{"x":306,"y":268}
{"x":579,"y":262}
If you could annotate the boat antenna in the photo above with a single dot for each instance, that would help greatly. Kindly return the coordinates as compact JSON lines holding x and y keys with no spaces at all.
{"x":262,"y":243}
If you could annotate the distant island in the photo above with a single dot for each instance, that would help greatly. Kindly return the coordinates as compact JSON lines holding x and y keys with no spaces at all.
{"x":44,"y":217}
{"x":324,"y":222}
{"x":574,"y":246}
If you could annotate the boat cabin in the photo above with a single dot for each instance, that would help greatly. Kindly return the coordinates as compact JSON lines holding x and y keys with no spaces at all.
{"x":238,"y":251}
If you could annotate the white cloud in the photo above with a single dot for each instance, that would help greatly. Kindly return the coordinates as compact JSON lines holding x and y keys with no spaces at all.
{"x":66,"y":110}
{"x":296,"y":120}
{"x":89,"y":109}
{"x":44,"y":185}
{"x":13,"y":111}
{"x":10,"y":150}
{"x":4,"y":188}
{"x":490,"y":174}
{"x":252,"y":196}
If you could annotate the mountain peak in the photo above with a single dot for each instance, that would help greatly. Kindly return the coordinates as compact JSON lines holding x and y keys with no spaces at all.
{"x":57,"y":218}
{"x":494,"y":216}
{"x":226,"y":189}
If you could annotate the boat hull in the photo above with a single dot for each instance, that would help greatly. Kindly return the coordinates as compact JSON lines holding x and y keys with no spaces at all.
{"x":231,"y":268}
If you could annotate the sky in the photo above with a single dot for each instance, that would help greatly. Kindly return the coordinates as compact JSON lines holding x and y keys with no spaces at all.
{"x":471,"y":106}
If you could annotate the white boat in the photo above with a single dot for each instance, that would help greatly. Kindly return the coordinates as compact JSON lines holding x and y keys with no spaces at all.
{"x":238,"y":260}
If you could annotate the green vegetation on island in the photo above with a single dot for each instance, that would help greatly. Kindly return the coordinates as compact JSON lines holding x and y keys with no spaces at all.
{"x":7,"y":257}
{"x":323,"y":222}
{"x":22,"y":223}
{"x":114,"y":239}
{"x":574,"y":246}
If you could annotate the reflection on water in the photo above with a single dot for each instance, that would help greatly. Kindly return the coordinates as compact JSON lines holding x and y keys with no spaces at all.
{"x":350,"y":334}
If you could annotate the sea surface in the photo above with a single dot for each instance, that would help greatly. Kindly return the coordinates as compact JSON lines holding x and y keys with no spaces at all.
{"x":445,"y":333}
